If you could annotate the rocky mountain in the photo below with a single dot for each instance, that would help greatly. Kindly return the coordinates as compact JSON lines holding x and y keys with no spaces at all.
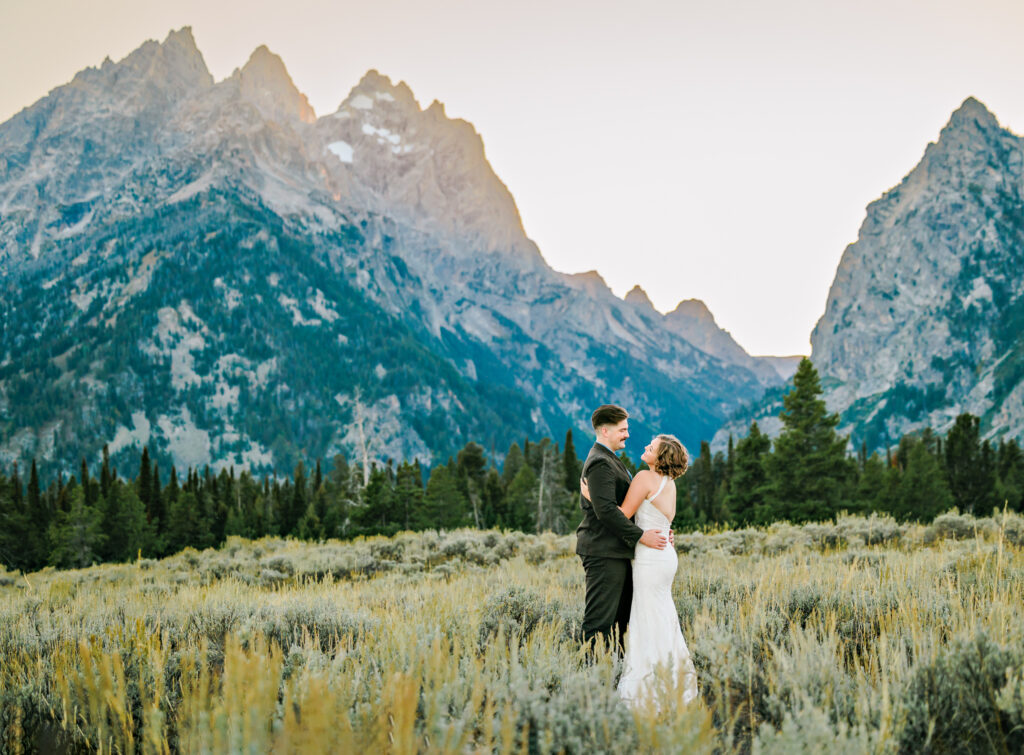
{"x":209,"y":268}
{"x":925,"y":317}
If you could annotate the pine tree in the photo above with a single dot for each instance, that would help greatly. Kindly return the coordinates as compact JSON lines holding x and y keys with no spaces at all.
{"x":309,"y":526}
{"x":156,"y":494}
{"x":970,"y":471}
{"x":90,"y":488}
{"x":704,"y":479}
{"x":922,"y":492}
{"x":38,"y":521}
{"x":471,"y":466}
{"x":746,"y":497}
{"x":444,"y":505}
{"x":297,"y":506}
{"x":106,"y":476}
{"x":124,"y":523}
{"x":628,"y":462}
{"x":184,"y":523}
{"x":378,"y":515}
{"x":571,"y":465}
{"x":76,"y":535}
{"x":341,"y":490}
{"x":144,"y":484}
{"x":514,"y":460}
{"x":13,"y":527}
{"x":494,"y":495}
{"x":408,"y":494}
{"x":1010,"y":475}
{"x":520,"y":503}
{"x":686,"y":513}
{"x":875,"y":491}
{"x":808,"y":472}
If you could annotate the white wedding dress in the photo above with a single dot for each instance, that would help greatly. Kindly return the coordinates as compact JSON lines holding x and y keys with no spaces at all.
{"x":654,"y":641}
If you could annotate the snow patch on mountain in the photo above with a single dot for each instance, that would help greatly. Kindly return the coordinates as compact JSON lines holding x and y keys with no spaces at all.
{"x":343,"y":150}
{"x":361,"y":102}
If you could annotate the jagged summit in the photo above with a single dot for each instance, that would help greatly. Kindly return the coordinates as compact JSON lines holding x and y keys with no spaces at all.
{"x":590,"y":280}
{"x":176,"y":64}
{"x":264,"y":80}
{"x":972,"y":114}
{"x":692,"y":309}
{"x":375,"y":89}
{"x":639,"y":297}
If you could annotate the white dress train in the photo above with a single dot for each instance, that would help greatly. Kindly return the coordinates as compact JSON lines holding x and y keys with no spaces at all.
{"x":654,"y":638}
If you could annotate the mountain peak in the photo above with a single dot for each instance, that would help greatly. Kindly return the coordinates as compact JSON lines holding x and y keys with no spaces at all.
{"x":972,"y":113}
{"x":264,"y":81}
{"x":692,"y":308}
{"x":172,"y":65}
{"x":374,"y":87}
{"x":639,"y":297}
{"x":590,"y":281}
{"x":969,"y":121}
{"x":183,"y":40}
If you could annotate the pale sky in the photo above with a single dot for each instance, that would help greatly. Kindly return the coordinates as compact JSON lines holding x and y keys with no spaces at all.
{"x":722,"y":150}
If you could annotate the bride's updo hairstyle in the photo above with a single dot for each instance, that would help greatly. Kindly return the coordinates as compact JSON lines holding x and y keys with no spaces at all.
{"x":672,"y":458}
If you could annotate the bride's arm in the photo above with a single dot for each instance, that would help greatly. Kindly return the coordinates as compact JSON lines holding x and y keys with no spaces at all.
{"x":639,"y":489}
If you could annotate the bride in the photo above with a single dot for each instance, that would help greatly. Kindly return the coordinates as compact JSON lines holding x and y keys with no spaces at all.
{"x":654,"y":640}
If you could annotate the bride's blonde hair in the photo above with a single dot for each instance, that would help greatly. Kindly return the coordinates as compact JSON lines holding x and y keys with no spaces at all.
{"x":672,"y":458}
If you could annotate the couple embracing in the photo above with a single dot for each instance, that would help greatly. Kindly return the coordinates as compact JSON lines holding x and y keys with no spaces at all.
{"x":628,"y":564}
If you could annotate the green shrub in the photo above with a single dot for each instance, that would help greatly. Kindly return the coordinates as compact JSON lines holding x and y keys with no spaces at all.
{"x":951,"y":703}
{"x":515,"y":613}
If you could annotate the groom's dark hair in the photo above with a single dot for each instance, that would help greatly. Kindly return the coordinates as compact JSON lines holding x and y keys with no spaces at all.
{"x":608,"y":414}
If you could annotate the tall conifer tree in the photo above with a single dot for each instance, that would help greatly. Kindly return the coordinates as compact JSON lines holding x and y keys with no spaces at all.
{"x":970,"y":471}
{"x":746,"y":498}
{"x":808,"y":472}
{"x":571,"y":464}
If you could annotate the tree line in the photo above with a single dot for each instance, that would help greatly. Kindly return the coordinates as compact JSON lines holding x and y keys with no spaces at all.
{"x":806,"y":474}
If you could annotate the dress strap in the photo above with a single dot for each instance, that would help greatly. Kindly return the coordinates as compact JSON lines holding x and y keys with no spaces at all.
{"x":660,"y":488}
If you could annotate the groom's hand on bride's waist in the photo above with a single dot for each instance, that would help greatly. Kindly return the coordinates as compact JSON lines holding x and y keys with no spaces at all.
{"x":654,"y":539}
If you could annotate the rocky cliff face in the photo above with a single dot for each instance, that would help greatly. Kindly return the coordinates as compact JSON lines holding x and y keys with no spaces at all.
{"x":925,"y":315}
{"x":211,"y":269}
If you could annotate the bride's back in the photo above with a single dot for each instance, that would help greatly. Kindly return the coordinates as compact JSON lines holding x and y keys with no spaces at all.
{"x":664,"y":501}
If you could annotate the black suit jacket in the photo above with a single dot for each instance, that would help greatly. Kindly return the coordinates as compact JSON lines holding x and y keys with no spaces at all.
{"x":605,"y":530}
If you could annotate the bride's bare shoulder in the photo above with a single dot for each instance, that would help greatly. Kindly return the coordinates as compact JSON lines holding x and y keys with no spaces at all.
{"x":645,"y":478}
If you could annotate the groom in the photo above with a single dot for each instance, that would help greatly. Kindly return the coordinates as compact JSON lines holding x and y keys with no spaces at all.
{"x":605,"y":539}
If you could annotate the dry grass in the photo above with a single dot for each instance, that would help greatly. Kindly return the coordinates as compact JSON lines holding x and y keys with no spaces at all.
{"x":849,"y":636}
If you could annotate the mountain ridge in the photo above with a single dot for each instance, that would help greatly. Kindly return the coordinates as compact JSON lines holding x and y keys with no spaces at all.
{"x":211,"y":269}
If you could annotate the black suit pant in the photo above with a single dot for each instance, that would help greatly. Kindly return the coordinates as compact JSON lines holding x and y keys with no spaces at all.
{"x":609,"y":596}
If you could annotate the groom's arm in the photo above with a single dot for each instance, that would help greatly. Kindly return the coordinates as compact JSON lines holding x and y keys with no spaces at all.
{"x":601,"y":482}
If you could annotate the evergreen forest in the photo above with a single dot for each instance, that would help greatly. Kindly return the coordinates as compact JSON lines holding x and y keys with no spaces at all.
{"x":805,"y":475}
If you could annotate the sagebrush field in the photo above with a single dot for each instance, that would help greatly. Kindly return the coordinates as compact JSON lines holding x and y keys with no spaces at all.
{"x":859,"y":635}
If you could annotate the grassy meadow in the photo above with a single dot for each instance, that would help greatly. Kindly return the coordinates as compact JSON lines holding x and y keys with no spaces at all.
{"x":853,"y":636}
